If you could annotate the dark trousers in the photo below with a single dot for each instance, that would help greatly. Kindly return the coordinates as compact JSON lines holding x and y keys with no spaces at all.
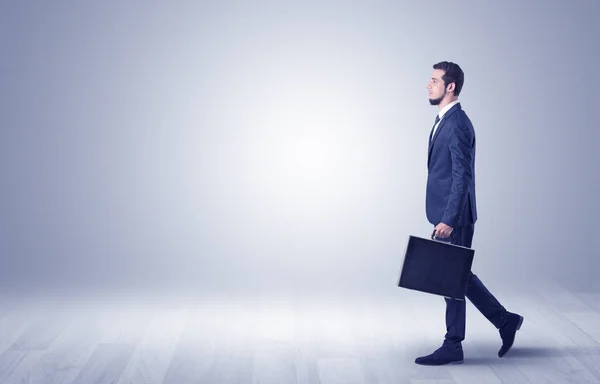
{"x":477,"y":293}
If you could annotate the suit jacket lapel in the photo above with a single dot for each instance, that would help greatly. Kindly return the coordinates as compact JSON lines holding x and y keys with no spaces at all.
{"x":437,"y":131}
{"x":439,"y":128}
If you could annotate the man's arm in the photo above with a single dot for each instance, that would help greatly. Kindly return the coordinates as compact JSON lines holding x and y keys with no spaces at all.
{"x":461,"y":153}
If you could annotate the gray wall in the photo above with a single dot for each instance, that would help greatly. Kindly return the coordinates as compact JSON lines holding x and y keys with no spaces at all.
{"x":228,"y":145}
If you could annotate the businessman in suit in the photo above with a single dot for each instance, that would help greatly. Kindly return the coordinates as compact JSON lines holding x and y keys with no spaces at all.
{"x":451,"y":208}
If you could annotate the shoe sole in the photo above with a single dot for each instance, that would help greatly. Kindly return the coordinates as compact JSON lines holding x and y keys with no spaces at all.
{"x":439,"y":365}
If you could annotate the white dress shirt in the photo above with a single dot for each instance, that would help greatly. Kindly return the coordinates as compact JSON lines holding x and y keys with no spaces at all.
{"x":441,"y":115}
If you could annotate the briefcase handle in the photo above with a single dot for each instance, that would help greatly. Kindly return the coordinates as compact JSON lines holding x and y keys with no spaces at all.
{"x":433,"y":235}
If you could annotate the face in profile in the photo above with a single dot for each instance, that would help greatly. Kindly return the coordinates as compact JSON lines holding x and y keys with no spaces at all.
{"x":435,"y":87}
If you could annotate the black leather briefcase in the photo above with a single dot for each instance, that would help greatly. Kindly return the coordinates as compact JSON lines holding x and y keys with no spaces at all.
{"x":436,"y":267}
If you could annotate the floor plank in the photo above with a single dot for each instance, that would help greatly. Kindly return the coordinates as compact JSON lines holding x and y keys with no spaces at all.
{"x":154,"y":352}
{"x":14,"y":323}
{"x":20,"y":365}
{"x":105,"y":365}
{"x":340,"y":371}
{"x":275,"y":362}
{"x":67,"y":356}
{"x":588,"y":358}
{"x":43,"y":329}
{"x":591,"y":299}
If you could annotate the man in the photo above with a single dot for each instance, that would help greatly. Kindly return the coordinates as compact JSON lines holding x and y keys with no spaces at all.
{"x":451,"y":208}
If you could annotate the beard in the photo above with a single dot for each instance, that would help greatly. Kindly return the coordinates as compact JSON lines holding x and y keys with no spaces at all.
{"x":438,"y":100}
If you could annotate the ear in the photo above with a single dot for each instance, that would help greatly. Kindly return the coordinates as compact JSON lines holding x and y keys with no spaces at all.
{"x":450,"y":87}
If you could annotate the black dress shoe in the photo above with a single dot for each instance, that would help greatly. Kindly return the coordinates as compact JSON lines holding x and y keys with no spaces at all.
{"x":508,"y":332}
{"x":441,"y":356}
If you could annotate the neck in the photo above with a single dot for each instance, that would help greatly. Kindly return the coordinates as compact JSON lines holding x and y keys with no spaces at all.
{"x":446,"y":101}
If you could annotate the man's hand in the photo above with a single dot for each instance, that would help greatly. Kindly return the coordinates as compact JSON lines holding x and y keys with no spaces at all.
{"x":442,"y":230}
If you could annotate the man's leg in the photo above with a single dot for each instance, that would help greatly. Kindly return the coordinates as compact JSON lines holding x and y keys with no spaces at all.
{"x":508,"y":323}
{"x":483,"y":300}
{"x":477,"y":293}
{"x":451,"y":350}
{"x":456,"y":309}
{"x":486,"y":303}
{"x":455,"y":323}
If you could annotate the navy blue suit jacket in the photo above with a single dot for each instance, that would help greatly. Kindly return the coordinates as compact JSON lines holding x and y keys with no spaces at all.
{"x":450,"y":197}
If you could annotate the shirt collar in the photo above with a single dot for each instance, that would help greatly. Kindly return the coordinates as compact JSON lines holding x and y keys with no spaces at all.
{"x":447,"y":108}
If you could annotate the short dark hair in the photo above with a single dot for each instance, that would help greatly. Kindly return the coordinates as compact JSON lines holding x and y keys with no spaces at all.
{"x":453,"y":74}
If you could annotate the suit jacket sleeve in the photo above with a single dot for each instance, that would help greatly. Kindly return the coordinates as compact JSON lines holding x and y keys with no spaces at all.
{"x":461,"y":153}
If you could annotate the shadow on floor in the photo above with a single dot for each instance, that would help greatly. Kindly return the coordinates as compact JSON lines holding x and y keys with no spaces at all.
{"x":489,"y":355}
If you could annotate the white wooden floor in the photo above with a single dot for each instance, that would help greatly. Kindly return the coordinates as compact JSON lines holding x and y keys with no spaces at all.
{"x":290,"y":339}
